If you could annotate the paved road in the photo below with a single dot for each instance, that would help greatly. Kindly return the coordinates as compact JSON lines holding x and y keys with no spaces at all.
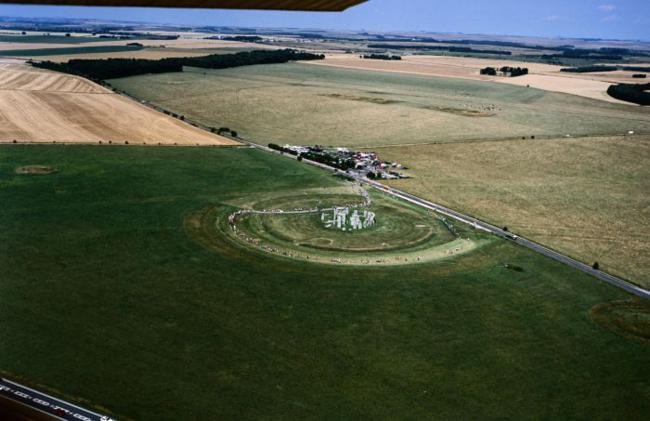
{"x":478,"y":224}
{"x":46,"y":404}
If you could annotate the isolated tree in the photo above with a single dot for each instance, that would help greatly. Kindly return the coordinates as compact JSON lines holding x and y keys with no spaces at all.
{"x":505,"y":229}
{"x":299,"y":158}
{"x":596,"y":266}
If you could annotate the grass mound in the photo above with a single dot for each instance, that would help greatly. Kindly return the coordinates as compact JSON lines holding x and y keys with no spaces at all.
{"x":35,"y":170}
{"x":630,"y":318}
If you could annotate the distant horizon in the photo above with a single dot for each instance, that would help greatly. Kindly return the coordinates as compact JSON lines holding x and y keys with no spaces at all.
{"x":317,"y":29}
{"x":623,"y":20}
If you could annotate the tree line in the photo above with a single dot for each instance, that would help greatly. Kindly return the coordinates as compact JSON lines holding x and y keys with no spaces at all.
{"x":604,"y":68}
{"x":637,"y":94}
{"x":113,"y":68}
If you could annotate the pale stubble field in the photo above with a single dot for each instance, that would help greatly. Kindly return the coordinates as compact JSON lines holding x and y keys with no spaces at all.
{"x":39,"y":106}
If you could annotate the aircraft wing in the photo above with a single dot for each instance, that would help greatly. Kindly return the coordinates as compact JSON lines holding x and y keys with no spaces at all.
{"x":306,"y":5}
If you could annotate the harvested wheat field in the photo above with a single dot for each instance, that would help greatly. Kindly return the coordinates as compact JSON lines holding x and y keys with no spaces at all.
{"x":542,"y":76}
{"x":40,"y":106}
{"x":16,"y":76}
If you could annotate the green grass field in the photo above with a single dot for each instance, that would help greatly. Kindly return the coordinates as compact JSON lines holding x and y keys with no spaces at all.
{"x":38,"y":52}
{"x":303,"y":104}
{"x":106,"y":300}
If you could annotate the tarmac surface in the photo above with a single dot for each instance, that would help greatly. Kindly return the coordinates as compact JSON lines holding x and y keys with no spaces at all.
{"x":46,"y":406}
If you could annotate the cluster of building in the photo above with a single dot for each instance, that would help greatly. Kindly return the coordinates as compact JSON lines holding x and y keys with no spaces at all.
{"x":372,"y":167}
{"x":363,"y":163}
{"x":347,"y":219}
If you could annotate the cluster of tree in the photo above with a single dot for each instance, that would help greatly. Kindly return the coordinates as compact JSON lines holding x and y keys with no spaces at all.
{"x":173,"y":114}
{"x":639,"y":76}
{"x":224,"y":131}
{"x":514,"y":71}
{"x":506,"y":70}
{"x":381,"y":57}
{"x":331,"y":160}
{"x":490,"y":71}
{"x":637,"y":94}
{"x":450,"y":49}
{"x":114,"y":68}
{"x":277,"y":147}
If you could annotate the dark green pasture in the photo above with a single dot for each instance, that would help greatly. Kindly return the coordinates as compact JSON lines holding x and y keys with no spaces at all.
{"x":106,"y":301}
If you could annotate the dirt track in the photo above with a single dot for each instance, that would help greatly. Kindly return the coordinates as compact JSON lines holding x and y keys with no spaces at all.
{"x":41,"y":106}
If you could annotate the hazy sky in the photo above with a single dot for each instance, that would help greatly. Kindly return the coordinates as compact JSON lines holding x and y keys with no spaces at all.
{"x":625,"y":19}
